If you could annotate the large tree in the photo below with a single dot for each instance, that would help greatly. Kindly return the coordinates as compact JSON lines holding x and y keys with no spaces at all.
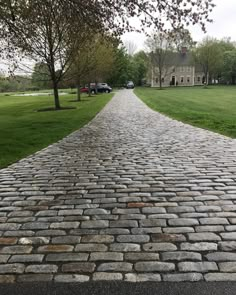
{"x":121,"y":68}
{"x":93,"y":62}
{"x":209,"y":55}
{"x":229,"y":67}
{"x":160,"y":46}
{"x":138,"y":65}
{"x":47,"y":31}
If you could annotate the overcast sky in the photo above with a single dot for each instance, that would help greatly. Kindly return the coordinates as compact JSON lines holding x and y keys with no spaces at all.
{"x":224,"y":25}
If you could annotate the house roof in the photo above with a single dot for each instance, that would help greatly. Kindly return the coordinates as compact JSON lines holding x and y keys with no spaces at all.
{"x":180,"y":59}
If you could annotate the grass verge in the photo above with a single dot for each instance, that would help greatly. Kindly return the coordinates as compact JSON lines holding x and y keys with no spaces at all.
{"x":213,"y":108}
{"x":24,"y":131}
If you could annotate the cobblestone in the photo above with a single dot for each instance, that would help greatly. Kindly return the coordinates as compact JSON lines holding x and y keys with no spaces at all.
{"x":181,"y":256}
{"x":191,"y":277}
{"x":197,"y":266}
{"x":221,"y":256}
{"x":41,"y":268}
{"x":125,"y":247}
{"x":26,"y":258}
{"x":227,"y":246}
{"x":207,"y":236}
{"x":132,"y":196}
{"x":112,"y":256}
{"x":227,"y":266}
{"x":34,"y":278}
{"x":202,"y":246}
{"x":115,"y":266}
{"x":67,"y":257}
{"x":75,"y":278}
{"x":214,"y":277}
{"x":135,"y":278}
{"x":91,"y":248}
{"x":154,"y":266}
{"x":79,"y":267}
{"x":12,"y":268}
{"x":159,"y":247}
{"x":133,"y":239}
{"x":106,"y":276}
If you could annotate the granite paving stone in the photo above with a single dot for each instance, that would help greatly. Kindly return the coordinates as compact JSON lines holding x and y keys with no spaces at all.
{"x":133,"y":196}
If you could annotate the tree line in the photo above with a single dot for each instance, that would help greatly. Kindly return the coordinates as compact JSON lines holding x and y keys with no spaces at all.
{"x":56,"y":33}
{"x":116,"y":63}
{"x":217,"y":59}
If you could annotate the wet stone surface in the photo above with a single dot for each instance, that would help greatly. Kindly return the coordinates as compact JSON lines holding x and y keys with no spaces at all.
{"x":132,"y":196}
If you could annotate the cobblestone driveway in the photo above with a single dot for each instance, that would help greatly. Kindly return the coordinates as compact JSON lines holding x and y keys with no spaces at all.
{"x":133,"y":196}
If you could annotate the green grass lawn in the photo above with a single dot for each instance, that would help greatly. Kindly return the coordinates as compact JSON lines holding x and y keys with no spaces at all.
{"x":24,"y":131}
{"x":213,"y":108}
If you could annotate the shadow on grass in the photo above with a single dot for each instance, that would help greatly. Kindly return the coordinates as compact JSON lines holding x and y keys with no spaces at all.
{"x":51,"y":109}
{"x":84,"y":99}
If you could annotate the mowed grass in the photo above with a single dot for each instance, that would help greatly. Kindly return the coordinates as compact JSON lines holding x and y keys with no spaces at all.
{"x":213,"y":108}
{"x":24,"y":131}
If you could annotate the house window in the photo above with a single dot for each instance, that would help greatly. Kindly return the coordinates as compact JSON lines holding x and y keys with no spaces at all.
{"x":188,"y":79}
{"x":182,"y":79}
{"x":162,"y":80}
{"x":156,"y":80}
{"x":199,"y":79}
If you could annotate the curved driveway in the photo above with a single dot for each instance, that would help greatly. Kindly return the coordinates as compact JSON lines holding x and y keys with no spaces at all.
{"x":132,"y":196}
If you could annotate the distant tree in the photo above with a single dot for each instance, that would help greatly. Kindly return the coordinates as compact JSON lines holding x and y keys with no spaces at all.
{"x":224,"y":45}
{"x":103,"y":58}
{"x":94,"y":61}
{"x":229,"y":66}
{"x":137,"y":67}
{"x":82,"y":63}
{"x":15,"y":83}
{"x":160,"y":46}
{"x":131,"y":47}
{"x":41,"y":76}
{"x":120,"y":70}
{"x":181,"y":38}
{"x":209,"y":55}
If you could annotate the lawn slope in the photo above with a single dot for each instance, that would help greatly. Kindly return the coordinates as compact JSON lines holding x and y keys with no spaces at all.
{"x":24,"y":131}
{"x":213,"y":108}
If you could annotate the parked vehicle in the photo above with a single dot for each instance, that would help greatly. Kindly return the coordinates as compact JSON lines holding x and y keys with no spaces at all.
{"x":84,"y":90}
{"x":130,"y":85}
{"x":101,"y":88}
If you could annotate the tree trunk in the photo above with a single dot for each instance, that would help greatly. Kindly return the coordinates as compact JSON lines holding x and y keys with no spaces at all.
{"x":89,"y":89}
{"x":207,"y":79}
{"x":78,"y":91}
{"x":160,"y":80}
{"x":56,"y":96}
{"x":55,"y":81}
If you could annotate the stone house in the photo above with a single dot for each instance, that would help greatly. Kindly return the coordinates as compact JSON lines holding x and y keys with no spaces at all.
{"x":179,"y":70}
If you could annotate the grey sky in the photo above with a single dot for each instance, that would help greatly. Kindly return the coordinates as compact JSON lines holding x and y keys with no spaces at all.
{"x":224,"y":24}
